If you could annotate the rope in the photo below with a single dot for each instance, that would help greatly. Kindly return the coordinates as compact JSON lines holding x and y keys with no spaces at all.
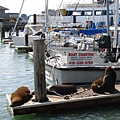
{"x":18,"y":16}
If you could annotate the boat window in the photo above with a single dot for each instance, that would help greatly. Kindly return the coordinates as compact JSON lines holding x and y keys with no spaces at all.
{"x":77,"y":13}
{"x":88,"y":13}
{"x":37,"y":28}
{"x":69,"y":13}
{"x":112,"y":34}
{"x":104,"y":12}
{"x":28,"y":31}
{"x":82,"y":13}
{"x":98,"y":12}
{"x":111,"y":12}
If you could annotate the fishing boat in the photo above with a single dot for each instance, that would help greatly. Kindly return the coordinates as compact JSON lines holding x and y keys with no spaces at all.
{"x":86,"y":64}
{"x":83,"y":62}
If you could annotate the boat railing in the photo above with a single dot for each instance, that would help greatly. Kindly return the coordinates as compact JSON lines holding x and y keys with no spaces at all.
{"x":82,"y":5}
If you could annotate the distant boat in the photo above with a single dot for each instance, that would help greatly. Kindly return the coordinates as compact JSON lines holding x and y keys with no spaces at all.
{"x":32,"y":31}
{"x":84,"y":13}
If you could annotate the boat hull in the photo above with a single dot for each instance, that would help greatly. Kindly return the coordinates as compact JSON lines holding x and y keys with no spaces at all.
{"x":20,"y":40}
{"x":80,"y":75}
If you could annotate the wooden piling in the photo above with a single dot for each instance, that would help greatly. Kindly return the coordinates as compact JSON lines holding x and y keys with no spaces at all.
{"x":39,"y":70}
{"x":17,"y":32}
{"x":26,"y":39}
{"x":3,"y":33}
{"x":1,"y":25}
{"x":34,"y":19}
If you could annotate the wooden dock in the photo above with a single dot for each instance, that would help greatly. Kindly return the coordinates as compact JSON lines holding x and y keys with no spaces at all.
{"x":11,"y":45}
{"x":83,"y":98}
{"x":23,"y":48}
{"x":6,"y":40}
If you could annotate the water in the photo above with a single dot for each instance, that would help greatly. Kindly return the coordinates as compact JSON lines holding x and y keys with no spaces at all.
{"x":17,"y":69}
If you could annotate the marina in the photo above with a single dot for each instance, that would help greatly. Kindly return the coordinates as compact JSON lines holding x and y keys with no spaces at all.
{"x":67,"y":76}
{"x":23,"y":73}
{"x":70,"y":101}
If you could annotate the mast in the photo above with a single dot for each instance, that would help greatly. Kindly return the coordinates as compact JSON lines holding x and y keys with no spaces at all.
{"x":116,"y":24}
{"x":107,"y":2}
{"x":108,"y":56}
{"x":93,"y":14}
{"x":46,"y":15}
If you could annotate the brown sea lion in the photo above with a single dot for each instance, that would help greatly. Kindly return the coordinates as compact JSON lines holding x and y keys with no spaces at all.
{"x":20,"y":96}
{"x":107,"y":83}
{"x":96,"y":85}
{"x":60,"y":89}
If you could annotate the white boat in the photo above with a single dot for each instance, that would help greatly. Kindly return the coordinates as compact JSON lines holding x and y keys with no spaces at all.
{"x":32,"y":30}
{"x":82,"y":66}
{"x":78,"y":66}
{"x":88,"y":13}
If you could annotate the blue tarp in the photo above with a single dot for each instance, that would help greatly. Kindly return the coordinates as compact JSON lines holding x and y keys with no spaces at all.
{"x":93,"y":31}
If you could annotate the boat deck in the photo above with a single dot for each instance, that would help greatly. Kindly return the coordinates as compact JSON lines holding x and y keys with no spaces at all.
{"x":84,"y":97}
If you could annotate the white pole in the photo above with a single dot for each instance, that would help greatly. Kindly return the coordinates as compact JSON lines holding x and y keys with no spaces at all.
{"x":116,"y":23}
{"x":46,"y":15}
{"x":93,"y":11}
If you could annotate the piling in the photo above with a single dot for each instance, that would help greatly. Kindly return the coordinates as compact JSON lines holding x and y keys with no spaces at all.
{"x":17,"y":32}
{"x":34,"y":19}
{"x":26,"y":39}
{"x":39,"y":70}
{"x":3,"y":33}
{"x":1,"y":25}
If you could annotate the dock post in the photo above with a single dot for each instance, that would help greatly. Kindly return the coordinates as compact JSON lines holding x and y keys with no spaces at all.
{"x":39,"y":70}
{"x":1,"y":25}
{"x":3,"y":33}
{"x":17,"y":32}
{"x":34,"y":19}
{"x":26,"y":39}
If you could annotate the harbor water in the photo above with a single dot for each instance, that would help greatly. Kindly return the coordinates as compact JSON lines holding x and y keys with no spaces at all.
{"x":17,"y":69}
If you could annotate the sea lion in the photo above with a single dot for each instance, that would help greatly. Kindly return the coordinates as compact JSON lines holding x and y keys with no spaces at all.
{"x":96,"y":85}
{"x":105,"y":84}
{"x":20,"y":96}
{"x":60,"y":89}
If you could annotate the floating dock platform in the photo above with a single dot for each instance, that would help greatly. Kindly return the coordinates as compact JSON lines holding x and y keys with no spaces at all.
{"x":83,"y":98}
{"x":6,"y":40}
{"x":23,"y":48}
{"x":11,"y":45}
